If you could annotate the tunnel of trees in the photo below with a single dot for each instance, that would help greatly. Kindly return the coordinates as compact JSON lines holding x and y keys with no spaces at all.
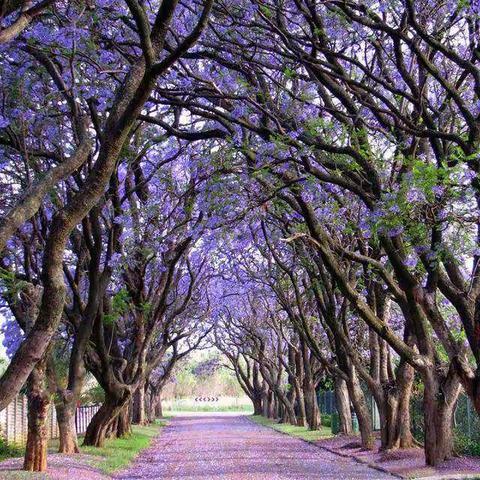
{"x":295,"y":182}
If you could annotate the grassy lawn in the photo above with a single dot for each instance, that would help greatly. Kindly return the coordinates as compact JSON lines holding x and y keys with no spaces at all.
{"x":116,"y":454}
{"x":196,"y":404}
{"x":119,"y":452}
{"x":9,"y":451}
{"x":210,"y":408}
{"x":294,"y":431}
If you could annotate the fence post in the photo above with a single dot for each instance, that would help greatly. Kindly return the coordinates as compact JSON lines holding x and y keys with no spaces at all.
{"x":24,"y":419}
{"x":7,"y":429}
{"x":15,"y":420}
{"x":469,"y":417}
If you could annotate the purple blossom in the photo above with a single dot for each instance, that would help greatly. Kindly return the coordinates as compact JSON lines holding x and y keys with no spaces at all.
{"x":393,"y":232}
{"x":415,"y":195}
{"x":411,"y":261}
{"x":438,"y":190}
{"x":4,"y":122}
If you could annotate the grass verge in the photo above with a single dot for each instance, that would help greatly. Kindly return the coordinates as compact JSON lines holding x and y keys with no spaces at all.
{"x":209,"y":408}
{"x":116,"y":454}
{"x":300,"y":432}
{"x":119,"y":452}
{"x":9,"y":451}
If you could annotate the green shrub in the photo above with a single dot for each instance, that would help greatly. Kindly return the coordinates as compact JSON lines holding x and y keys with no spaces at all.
{"x":465,"y":445}
{"x":9,"y":450}
{"x":326,"y":420}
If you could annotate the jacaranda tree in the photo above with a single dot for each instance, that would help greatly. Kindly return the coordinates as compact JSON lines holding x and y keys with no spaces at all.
{"x":295,"y":182}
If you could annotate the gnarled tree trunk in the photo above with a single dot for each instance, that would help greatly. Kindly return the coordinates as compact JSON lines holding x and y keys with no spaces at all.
{"x":268,"y":403}
{"x":361,"y":410}
{"x":158,"y":407}
{"x":312,"y":412}
{"x":102,"y":421}
{"x":257,"y":404}
{"x":440,"y":398}
{"x":124,"y":427}
{"x":296,"y":381}
{"x":395,"y":424}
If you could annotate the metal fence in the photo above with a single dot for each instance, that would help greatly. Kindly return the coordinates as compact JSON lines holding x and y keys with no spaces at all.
{"x":83,"y":415}
{"x":14,"y":425}
{"x":327,"y":404}
{"x":466,"y":427}
{"x":466,"y":424}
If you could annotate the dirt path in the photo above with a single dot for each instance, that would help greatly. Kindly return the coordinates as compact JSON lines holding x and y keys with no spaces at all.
{"x":234,"y":448}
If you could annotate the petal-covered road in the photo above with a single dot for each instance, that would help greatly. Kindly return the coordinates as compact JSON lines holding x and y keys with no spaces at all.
{"x":234,"y":448}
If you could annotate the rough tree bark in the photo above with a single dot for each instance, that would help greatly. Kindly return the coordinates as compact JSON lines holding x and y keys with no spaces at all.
{"x":269,"y":403}
{"x":158,"y":407}
{"x":295,"y":379}
{"x":38,"y":385}
{"x":123,"y":427}
{"x":139,"y":416}
{"x":343,"y":406}
{"x":312,"y":412}
{"x":98,"y":428}
{"x":440,"y":398}
{"x":38,"y":406}
{"x":257,"y":390}
{"x":391,"y":392}
{"x":395,"y":411}
{"x":66,"y":407}
{"x":360,"y":407}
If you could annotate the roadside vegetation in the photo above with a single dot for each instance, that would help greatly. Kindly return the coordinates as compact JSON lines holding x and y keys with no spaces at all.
{"x":116,"y":454}
{"x":9,"y":450}
{"x":120,"y":452}
{"x":300,"y":432}
{"x":189,"y":405}
{"x":203,"y":382}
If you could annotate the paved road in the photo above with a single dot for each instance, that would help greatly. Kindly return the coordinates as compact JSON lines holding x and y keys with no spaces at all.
{"x":234,"y":448}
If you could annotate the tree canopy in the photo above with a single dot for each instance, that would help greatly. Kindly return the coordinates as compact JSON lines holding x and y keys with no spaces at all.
{"x":294,"y":181}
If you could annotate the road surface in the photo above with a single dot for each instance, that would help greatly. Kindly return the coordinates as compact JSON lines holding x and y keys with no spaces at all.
{"x":234,"y":448}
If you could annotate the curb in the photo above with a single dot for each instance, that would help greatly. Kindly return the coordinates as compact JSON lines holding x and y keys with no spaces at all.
{"x":330,"y":450}
{"x":453,"y":476}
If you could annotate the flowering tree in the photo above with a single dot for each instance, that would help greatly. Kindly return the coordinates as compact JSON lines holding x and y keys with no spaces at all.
{"x":356,"y":99}
{"x":301,"y":174}
{"x":64,"y":48}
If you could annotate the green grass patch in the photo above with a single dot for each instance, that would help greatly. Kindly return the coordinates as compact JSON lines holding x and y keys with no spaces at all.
{"x":115,"y":455}
{"x":326,"y":420}
{"x":10,"y":450}
{"x":209,"y":408}
{"x":301,"y":432}
{"x":119,"y":452}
